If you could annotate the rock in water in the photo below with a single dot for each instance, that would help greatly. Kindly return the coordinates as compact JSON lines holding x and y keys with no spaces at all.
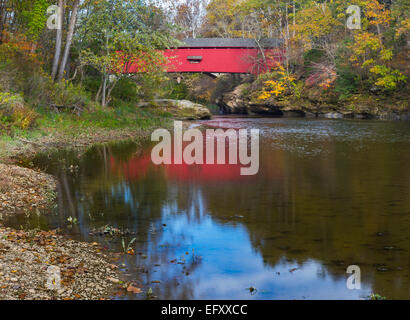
{"x":180,"y":109}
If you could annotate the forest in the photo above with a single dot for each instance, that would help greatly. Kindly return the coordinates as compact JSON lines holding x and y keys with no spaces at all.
{"x":70,"y":55}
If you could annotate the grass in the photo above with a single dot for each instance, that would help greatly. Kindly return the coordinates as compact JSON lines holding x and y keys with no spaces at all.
{"x":108,"y":118}
{"x":93,"y":126}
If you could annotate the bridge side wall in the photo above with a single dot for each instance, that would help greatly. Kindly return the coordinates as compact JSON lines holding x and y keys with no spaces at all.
{"x":219,"y":60}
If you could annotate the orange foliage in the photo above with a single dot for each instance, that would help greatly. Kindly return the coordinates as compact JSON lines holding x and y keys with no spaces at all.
{"x":17,"y":44}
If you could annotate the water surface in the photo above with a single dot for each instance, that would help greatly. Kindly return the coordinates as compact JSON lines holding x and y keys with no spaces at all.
{"x":329,"y":194}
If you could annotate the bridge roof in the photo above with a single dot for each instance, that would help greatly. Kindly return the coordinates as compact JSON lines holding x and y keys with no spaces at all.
{"x":229,"y":43}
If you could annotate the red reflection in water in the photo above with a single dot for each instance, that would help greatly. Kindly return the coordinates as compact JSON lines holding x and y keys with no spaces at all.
{"x":137,"y":168}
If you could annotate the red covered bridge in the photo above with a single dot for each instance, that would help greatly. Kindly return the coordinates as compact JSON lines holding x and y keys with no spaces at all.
{"x":223,"y":55}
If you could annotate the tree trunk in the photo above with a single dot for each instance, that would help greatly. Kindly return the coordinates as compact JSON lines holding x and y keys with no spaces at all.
{"x":2,"y":18}
{"x":108,"y":97}
{"x":294,"y":18}
{"x":287,"y":38}
{"x":59,"y":38}
{"x":70,"y":34}
{"x":98,"y":95}
{"x":379,"y":34}
{"x":104,"y":90}
{"x":262,"y":51}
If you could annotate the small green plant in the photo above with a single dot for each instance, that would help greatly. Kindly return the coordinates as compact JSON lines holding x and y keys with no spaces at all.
{"x":149,"y":294}
{"x":375,"y":296}
{"x":128,"y":248}
{"x":72,"y":221}
{"x":107,"y":229}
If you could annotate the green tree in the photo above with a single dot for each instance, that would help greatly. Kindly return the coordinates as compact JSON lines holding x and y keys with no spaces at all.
{"x":116,"y":35}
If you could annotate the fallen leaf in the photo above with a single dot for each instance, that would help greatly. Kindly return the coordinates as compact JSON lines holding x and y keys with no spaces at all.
{"x":134,"y":289}
{"x":113,"y":280}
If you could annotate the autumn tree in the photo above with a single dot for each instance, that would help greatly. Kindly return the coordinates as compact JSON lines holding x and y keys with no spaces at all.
{"x":26,"y":17}
{"x":189,"y":16}
{"x":372,"y":49}
{"x":220,"y":20}
{"x":119,"y":34}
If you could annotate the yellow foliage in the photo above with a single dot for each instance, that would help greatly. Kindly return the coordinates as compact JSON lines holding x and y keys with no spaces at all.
{"x":277,"y":87}
{"x":15,"y":111}
{"x":365,"y":43}
{"x":377,"y":13}
{"x":313,"y":22}
{"x":404,"y":27}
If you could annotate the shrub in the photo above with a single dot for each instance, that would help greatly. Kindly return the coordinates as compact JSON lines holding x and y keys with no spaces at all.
{"x":149,"y":85}
{"x":91,"y":84}
{"x":21,"y":71}
{"x":276,"y":83}
{"x":8,"y":102}
{"x":24,"y":117}
{"x":14,"y":111}
{"x":41,"y":91}
{"x":310,"y":57}
{"x":125,"y":90}
{"x":346,"y":83}
{"x":246,"y":89}
{"x":67,"y":94}
{"x":179,"y":91}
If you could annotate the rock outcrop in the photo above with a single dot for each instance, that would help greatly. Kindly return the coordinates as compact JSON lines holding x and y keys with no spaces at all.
{"x":234,"y":102}
{"x":313,"y":103}
{"x":180,"y":109}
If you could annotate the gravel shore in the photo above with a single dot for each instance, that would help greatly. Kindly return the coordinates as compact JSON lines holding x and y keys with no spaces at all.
{"x":86,"y":271}
{"x":23,"y":190}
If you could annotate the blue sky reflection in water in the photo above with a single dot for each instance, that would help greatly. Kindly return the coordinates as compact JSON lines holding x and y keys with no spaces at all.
{"x":230,"y":265}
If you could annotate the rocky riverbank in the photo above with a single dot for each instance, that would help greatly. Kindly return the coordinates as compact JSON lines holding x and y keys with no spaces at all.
{"x":23,"y":190}
{"x":85,"y":270}
{"x":313,"y":102}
